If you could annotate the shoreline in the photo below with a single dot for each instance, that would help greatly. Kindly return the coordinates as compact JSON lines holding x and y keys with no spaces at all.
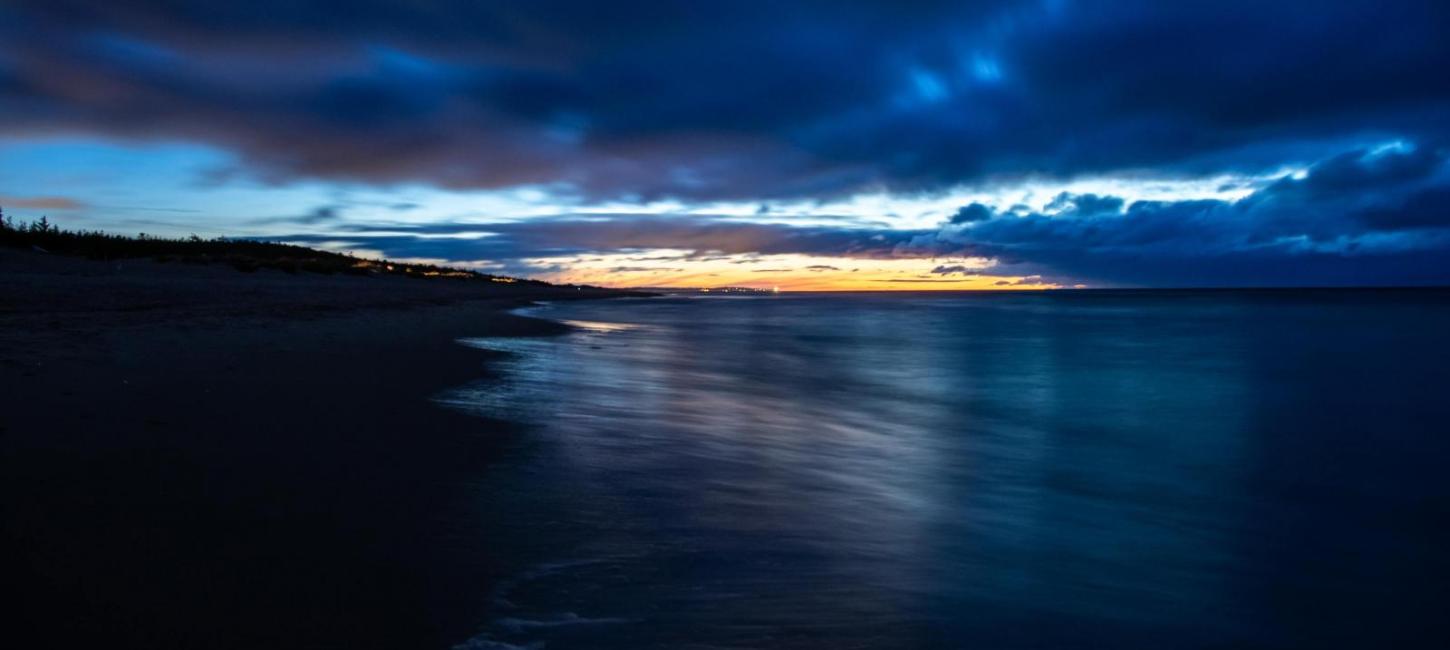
{"x":246,"y":473}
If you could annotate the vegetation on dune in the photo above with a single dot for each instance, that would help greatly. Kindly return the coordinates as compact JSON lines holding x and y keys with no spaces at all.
{"x":242,"y":254}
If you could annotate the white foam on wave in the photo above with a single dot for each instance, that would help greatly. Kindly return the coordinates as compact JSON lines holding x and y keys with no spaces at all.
{"x":512,"y":626}
{"x":601,"y":327}
{"x":482,"y":642}
{"x":567,"y":618}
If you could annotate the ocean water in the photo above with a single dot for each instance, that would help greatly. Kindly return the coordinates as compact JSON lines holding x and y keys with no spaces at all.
{"x":1060,"y":470}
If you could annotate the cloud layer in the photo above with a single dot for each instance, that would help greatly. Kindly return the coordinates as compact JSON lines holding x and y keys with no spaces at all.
{"x":1363,"y":217}
{"x":738,"y":100}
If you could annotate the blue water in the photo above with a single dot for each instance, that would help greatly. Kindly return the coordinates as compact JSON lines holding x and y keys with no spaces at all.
{"x":1083,"y":469}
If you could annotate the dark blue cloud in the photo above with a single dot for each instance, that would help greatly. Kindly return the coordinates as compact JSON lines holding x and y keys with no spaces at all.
{"x":1366,"y":217}
{"x":1085,"y":204}
{"x":703,"y":236}
{"x":731,"y":100}
{"x":972,"y":213}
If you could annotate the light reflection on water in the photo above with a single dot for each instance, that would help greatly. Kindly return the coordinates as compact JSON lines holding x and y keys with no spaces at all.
{"x":1115,"y":470}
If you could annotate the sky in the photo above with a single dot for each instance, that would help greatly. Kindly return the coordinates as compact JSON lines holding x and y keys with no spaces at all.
{"x":807,"y":145}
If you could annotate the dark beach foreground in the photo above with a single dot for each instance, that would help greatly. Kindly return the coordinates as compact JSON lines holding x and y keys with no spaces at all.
{"x":194,"y":457}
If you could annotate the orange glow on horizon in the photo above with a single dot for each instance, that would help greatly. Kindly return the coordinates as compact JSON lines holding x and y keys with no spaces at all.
{"x":688,"y":270}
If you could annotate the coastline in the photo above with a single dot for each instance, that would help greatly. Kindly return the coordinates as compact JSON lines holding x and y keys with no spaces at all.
{"x":249,"y":460}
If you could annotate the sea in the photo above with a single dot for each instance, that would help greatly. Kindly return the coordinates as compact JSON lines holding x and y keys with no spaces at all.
{"x":1065,"y":469}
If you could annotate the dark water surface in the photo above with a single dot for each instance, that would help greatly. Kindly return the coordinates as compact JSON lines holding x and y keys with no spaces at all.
{"x":1083,"y":469}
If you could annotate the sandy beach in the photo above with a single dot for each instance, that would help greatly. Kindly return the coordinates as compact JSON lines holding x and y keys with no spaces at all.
{"x":197,"y":457}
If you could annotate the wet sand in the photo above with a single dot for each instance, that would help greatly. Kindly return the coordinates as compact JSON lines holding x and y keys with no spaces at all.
{"x":202,"y":458}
